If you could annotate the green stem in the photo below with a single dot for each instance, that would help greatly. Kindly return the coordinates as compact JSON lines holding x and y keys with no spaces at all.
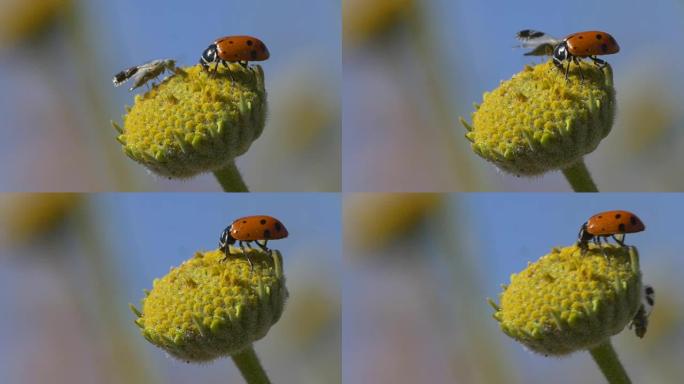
{"x":250,"y":367}
{"x":230,"y":179}
{"x":604,"y":355}
{"x":579,"y":177}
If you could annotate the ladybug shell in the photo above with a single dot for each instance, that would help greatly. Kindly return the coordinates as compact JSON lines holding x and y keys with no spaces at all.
{"x":591,"y":43}
{"x":252,"y":228}
{"x":241,"y":48}
{"x":614,"y":222}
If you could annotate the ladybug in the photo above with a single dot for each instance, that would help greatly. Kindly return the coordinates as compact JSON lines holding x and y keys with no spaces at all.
{"x":252,"y":229}
{"x":144,"y":72}
{"x":572,"y":48}
{"x":608,"y":224}
{"x":581,"y":45}
{"x":231,"y":49}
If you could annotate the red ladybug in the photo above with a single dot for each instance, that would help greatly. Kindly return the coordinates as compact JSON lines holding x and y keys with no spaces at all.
{"x":231,"y":49}
{"x":582,"y":45}
{"x":608,"y":224}
{"x":252,"y":229}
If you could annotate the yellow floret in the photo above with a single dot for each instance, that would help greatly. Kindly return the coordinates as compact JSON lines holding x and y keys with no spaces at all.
{"x":568,"y":301}
{"x":212,"y":306}
{"x":538,"y":121}
{"x":196,"y":121}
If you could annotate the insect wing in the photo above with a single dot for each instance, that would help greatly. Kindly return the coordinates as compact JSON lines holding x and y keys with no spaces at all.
{"x":124,"y":75}
{"x":541,"y":43}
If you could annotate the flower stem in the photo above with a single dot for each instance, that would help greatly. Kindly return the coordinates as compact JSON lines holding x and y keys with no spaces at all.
{"x":579,"y":178}
{"x":604,"y":355}
{"x":250,"y":367}
{"x":230,"y":179}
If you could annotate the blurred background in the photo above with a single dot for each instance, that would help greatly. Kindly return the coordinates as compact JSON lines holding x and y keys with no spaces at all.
{"x":57,"y":59}
{"x":70,"y":264}
{"x":412,"y":67}
{"x":419,"y":267}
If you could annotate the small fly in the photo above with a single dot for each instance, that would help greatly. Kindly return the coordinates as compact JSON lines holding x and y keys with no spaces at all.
{"x":143,"y":73}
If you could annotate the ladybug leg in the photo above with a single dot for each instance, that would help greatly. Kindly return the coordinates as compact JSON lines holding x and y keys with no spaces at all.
{"x":263,"y":246}
{"x":245,"y":252}
{"x":617,"y":240}
{"x":599,"y":63}
{"x":567,"y":70}
{"x":577,"y":61}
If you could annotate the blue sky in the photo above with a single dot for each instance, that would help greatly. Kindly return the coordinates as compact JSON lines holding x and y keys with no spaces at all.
{"x":514,"y":228}
{"x":149,"y":233}
{"x":297,"y":30}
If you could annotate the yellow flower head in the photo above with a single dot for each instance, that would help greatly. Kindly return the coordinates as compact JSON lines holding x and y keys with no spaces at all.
{"x":196,"y":121}
{"x":568,"y":301}
{"x":212,"y":305}
{"x":538,"y":121}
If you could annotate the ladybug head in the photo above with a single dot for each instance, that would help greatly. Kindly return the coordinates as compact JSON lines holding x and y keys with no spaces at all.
{"x":209,"y":56}
{"x":583,"y":236}
{"x":560,"y":52}
{"x":226,"y":239}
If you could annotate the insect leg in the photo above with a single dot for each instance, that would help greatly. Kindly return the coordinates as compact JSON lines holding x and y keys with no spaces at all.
{"x":599,"y":63}
{"x":263,"y":246}
{"x":577,"y":61}
{"x":617,"y":240}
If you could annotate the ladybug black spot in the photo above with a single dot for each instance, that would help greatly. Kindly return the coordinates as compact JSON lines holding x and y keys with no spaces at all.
{"x":633,"y":220}
{"x":617,"y":215}
{"x":230,"y":41}
{"x":580,"y":37}
{"x":599,"y":36}
{"x":604,"y":47}
{"x":250,"y":43}
{"x":267,"y":234}
{"x":600,"y":217}
{"x":244,"y":221}
{"x":621,"y":227}
{"x":262,"y":221}
{"x":278,"y":227}
{"x":253,"y":53}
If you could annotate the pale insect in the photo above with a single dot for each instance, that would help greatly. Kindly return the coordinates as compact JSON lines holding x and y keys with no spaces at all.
{"x":640,"y":321}
{"x":143,"y":73}
{"x":541,"y":43}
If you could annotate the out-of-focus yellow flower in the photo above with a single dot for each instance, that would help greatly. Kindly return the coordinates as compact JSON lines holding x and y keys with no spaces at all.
{"x":373,"y":220}
{"x":30,"y":215}
{"x":648,"y":115}
{"x":22,"y":19}
{"x":367,"y":19}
